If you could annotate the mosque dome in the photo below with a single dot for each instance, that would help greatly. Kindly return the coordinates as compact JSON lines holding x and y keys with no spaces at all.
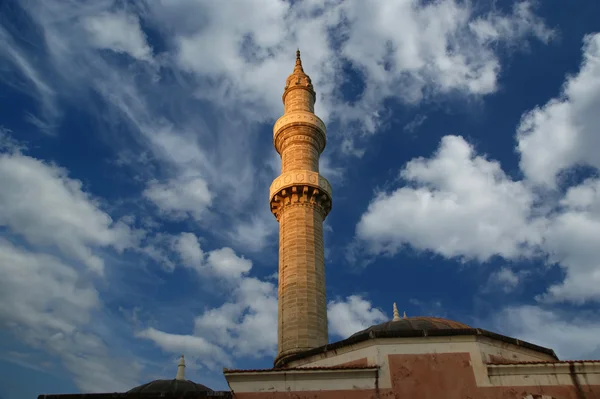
{"x":414,"y":324}
{"x":177,"y":386}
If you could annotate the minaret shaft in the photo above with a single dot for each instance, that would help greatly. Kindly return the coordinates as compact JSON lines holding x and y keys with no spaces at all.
{"x":300,"y":200}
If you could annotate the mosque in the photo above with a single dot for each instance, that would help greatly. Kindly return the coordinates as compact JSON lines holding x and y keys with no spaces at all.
{"x":406,"y":357}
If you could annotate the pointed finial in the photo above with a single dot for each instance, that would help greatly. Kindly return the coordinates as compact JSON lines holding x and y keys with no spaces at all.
{"x":404,"y":317}
{"x":181,"y":369}
{"x":396,"y":314}
{"x":298,"y":62}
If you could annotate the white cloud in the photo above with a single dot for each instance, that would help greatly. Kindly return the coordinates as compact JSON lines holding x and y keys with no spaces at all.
{"x":48,"y":300}
{"x":211,"y":355}
{"x":43,"y":205}
{"x":180,"y":198}
{"x":461,"y":205}
{"x":221,"y":262}
{"x":564,"y":132}
{"x":255,"y":234}
{"x":352,"y":314}
{"x":457,"y":204}
{"x":571,"y":337}
{"x":47,"y":305}
{"x":237,"y":326}
{"x":40,"y":293}
{"x":35,"y":82}
{"x":242,"y":324}
{"x":405,"y":50}
{"x":522,"y":22}
{"x":409,"y":51}
{"x":226,"y":263}
{"x":570,"y":240}
{"x":505,"y":279}
{"x":119,"y":32}
{"x":188,"y":248}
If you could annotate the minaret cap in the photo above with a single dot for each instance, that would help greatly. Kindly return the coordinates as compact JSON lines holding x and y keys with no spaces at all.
{"x":396,"y":314}
{"x":181,"y":369}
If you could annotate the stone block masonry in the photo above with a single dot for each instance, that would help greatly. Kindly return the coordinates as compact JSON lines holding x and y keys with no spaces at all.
{"x":300,"y":200}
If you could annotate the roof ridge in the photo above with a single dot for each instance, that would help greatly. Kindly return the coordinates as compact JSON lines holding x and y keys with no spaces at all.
{"x":314,"y":368}
{"x":541,"y":362}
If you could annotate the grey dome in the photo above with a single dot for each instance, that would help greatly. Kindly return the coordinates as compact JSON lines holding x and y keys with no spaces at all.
{"x":415,"y":323}
{"x":170,"y":386}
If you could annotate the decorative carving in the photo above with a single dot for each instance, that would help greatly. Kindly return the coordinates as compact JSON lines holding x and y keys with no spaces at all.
{"x":301,"y":195}
{"x":303,"y":116}
{"x":295,"y":178}
{"x":287,"y":136}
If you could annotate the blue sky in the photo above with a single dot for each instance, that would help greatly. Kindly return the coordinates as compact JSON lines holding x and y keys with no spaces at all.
{"x":136,"y":156}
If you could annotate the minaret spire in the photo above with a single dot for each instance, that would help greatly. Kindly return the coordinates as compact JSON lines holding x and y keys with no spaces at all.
{"x":181,"y":369}
{"x":298,"y":67}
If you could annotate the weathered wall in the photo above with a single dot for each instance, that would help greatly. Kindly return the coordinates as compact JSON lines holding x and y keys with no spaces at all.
{"x":452,"y":375}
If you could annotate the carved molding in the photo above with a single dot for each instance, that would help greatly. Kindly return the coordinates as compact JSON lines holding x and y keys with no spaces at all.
{"x":300,"y":188}
{"x":299,"y":178}
{"x":293,"y":136}
{"x":303,"y":117}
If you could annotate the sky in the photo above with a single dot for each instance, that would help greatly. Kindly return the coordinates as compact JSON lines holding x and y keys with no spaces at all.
{"x":136,"y":155}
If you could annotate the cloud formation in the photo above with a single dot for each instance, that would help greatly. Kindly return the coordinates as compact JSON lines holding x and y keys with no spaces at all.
{"x":462,"y":205}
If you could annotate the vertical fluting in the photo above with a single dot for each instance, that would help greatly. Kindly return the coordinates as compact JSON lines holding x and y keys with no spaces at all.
{"x":300,"y":199}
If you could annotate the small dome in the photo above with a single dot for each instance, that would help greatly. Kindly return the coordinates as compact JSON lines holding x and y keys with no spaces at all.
{"x":177,"y":386}
{"x":415,"y":323}
{"x":174,"y":386}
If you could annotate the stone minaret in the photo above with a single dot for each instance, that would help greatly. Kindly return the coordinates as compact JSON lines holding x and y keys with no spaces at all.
{"x":300,"y":200}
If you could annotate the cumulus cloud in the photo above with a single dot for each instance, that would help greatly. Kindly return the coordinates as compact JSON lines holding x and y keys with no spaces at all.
{"x":569,"y":241}
{"x":564,"y":132}
{"x":39,"y":292}
{"x":223,"y":262}
{"x":53,"y":234}
{"x":462,"y":205}
{"x":352,"y":314}
{"x":571,"y":336}
{"x":179,"y":199}
{"x":457,"y":204}
{"x":43,"y":205}
{"x":47,"y":305}
{"x":408,"y":50}
{"x":240,"y":326}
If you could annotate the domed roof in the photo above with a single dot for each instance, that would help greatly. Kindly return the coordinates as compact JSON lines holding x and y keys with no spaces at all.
{"x":173,"y":386}
{"x":179,"y":385}
{"x":414,"y":323}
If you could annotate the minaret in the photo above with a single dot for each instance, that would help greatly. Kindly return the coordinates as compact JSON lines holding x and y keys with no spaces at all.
{"x":300,"y":200}
{"x":180,"y":369}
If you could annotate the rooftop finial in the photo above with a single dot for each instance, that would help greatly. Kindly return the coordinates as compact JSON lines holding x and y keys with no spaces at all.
{"x":298,"y":61}
{"x":404,"y":317}
{"x":396,"y":314}
{"x":181,"y":369}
